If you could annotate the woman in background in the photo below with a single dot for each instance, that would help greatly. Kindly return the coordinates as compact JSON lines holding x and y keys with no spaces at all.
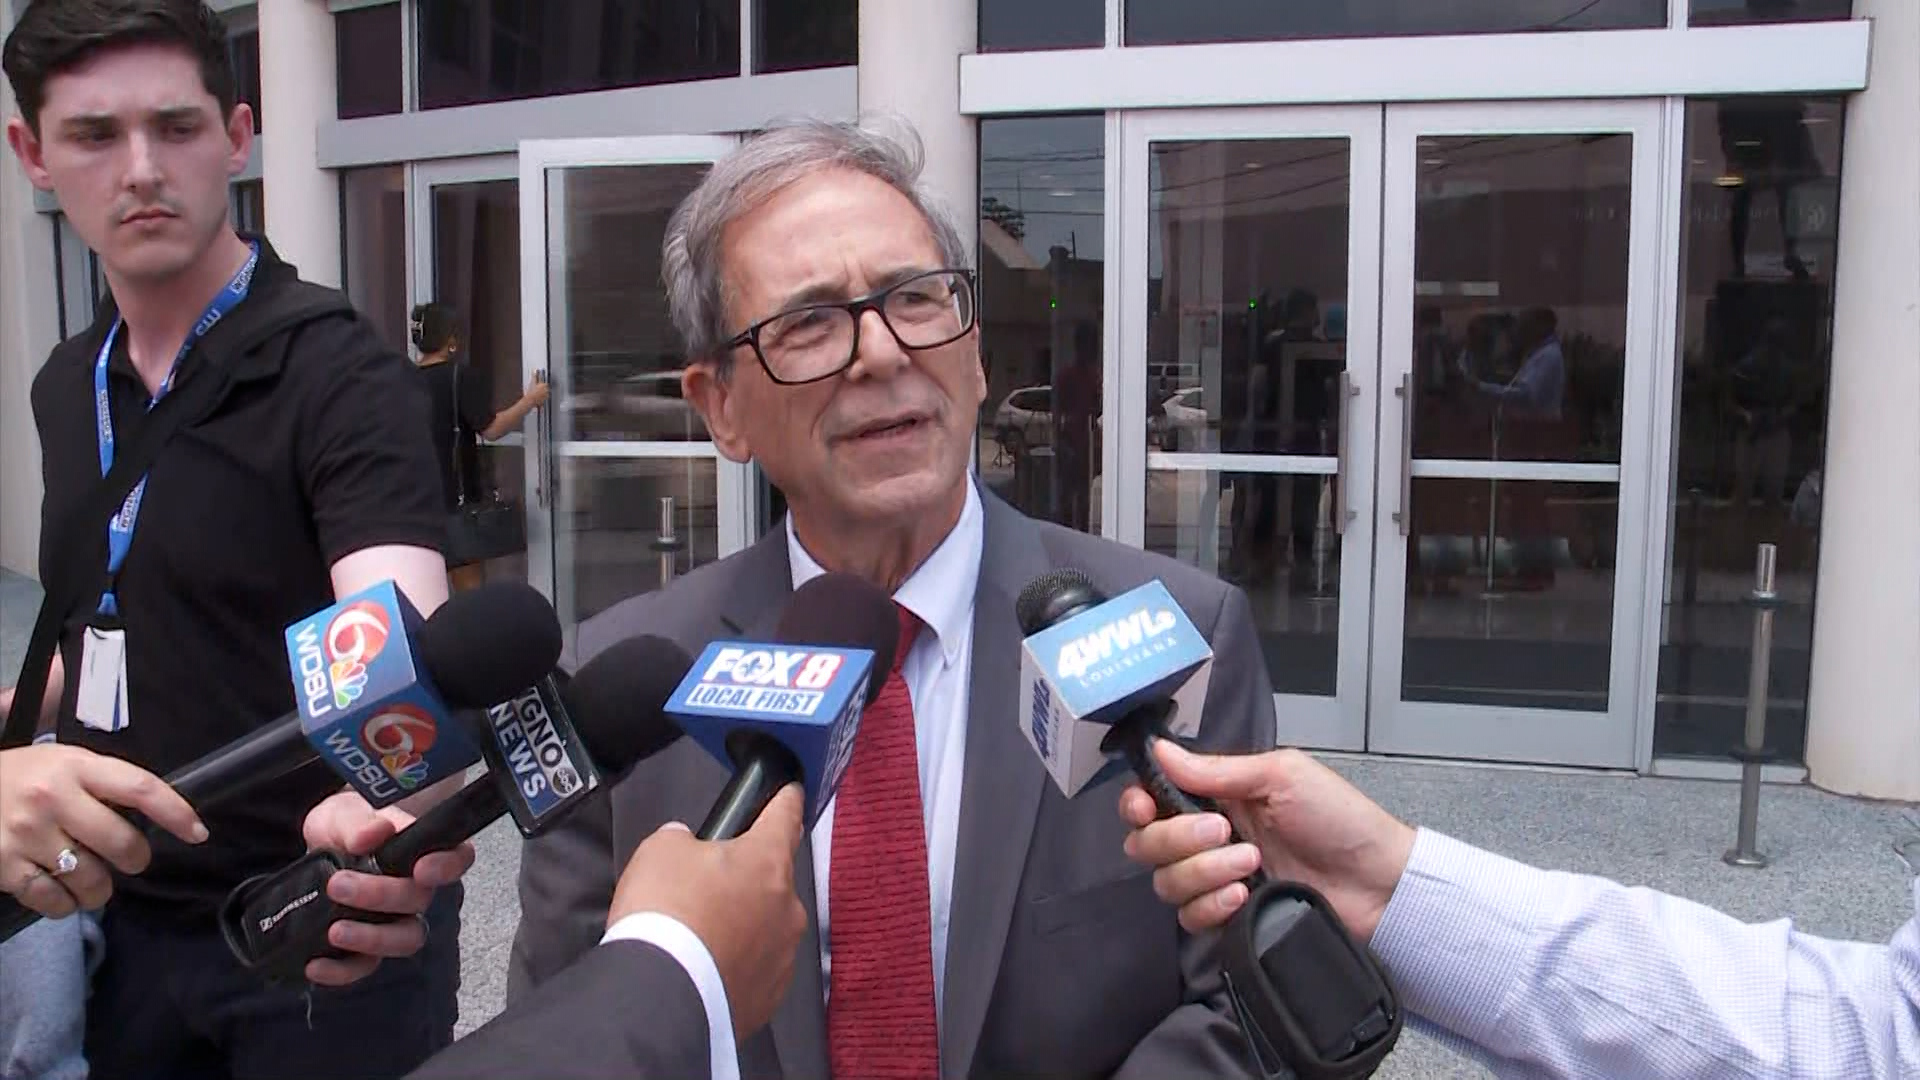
{"x":462,"y":414}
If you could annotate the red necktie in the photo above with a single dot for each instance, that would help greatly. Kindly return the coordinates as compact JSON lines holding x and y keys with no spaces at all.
{"x":880,"y":1005}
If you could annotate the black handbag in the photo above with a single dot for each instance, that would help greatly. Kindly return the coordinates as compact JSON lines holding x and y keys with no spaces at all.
{"x":481,"y":527}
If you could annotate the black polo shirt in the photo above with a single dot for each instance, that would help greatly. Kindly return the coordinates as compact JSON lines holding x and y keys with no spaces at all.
{"x":320,"y":448}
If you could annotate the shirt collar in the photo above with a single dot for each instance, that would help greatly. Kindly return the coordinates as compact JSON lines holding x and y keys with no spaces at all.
{"x":940,"y":590}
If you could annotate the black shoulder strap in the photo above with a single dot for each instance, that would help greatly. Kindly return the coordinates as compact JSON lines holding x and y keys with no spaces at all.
{"x":79,"y":567}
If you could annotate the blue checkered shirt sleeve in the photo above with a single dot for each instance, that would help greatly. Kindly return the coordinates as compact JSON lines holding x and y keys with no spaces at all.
{"x":1544,"y":974}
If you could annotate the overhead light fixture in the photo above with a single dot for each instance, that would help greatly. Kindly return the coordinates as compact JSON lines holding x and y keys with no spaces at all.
{"x":1060,"y":193}
{"x":1729,"y":181}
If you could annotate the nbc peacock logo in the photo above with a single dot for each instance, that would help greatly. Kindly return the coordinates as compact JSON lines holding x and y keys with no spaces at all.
{"x":400,"y":737}
{"x":354,"y":637}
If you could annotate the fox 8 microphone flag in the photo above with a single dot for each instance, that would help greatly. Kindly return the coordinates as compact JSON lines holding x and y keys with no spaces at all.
{"x":366,"y":703}
{"x":1080,"y":675}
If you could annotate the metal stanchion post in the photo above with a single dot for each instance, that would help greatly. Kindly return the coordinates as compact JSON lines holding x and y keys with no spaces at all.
{"x":1752,"y":753}
{"x":668,"y":544}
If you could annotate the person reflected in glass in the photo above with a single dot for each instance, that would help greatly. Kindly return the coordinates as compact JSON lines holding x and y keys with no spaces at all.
{"x":1076,"y":411}
{"x":1763,"y":408}
{"x":463,"y":414}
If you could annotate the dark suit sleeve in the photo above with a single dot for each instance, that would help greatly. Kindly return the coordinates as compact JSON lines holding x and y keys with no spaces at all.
{"x":567,"y":878}
{"x":626,"y":1009}
{"x":1201,"y":1038}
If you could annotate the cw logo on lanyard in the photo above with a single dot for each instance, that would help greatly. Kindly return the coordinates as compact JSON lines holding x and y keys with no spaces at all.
{"x":102,"y":701}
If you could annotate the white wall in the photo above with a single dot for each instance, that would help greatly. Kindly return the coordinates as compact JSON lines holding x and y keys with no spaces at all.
{"x":1864,"y":714}
{"x":28,"y":329}
{"x":298,"y":91}
{"x":910,"y":65}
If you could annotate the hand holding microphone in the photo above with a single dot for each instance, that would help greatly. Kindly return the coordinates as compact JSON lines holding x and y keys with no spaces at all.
{"x":736,"y":896}
{"x":1106,"y":677}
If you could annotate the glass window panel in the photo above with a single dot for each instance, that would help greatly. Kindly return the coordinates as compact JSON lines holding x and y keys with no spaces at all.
{"x":609,"y":514}
{"x":476,"y":271}
{"x":1758,"y":249}
{"x":1735,"y":12}
{"x":1520,"y":284}
{"x":1199,"y":517}
{"x":1016,"y":25}
{"x":1247,"y":295}
{"x":623,"y":355}
{"x":1184,"y":22}
{"x":1042,"y":302}
{"x":819,"y":33}
{"x":502,"y":50}
{"x":1523,"y":622}
{"x":244,"y":49}
{"x":368,"y":61}
{"x":250,"y":206}
{"x":373,"y":248}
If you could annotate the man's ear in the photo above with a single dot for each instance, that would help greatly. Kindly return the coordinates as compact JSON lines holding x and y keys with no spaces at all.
{"x":712,"y":394}
{"x":32,"y":154}
{"x":240,"y":136}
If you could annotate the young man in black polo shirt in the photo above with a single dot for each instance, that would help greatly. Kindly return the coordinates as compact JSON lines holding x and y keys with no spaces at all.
{"x":313,"y":477}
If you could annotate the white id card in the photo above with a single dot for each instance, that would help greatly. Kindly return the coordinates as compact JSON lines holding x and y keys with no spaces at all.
{"x":102,"y":703}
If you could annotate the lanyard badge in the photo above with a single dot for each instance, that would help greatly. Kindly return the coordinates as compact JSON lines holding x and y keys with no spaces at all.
{"x":103,"y":678}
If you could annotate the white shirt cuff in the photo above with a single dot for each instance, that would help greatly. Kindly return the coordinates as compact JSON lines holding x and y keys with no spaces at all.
{"x":672,"y":936}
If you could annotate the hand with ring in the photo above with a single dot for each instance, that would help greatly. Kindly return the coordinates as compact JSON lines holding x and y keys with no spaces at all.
{"x":61,"y":837}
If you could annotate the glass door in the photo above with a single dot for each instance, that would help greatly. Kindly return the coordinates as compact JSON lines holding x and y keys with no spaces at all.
{"x":466,"y":254}
{"x":627,"y":491}
{"x":1250,"y":364}
{"x":1519,"y":352}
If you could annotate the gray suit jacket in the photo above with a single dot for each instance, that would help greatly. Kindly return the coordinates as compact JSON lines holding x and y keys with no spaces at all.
{"x":1061,"y":961}
{"x":582,"y":1025}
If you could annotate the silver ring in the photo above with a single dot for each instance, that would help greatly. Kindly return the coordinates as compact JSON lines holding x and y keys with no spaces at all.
{"x":65,"y":863}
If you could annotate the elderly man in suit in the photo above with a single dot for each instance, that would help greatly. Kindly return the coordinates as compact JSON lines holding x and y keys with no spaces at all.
{"x":967,"y":920}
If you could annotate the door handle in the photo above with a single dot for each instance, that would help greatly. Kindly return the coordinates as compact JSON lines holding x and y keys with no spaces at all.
{"x":543,"y":453}
{"x":1404,"y":516}
{"x":1342,"y":505}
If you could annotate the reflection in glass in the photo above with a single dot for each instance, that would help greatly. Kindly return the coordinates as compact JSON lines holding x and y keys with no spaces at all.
{"x":250,"y":205}
{"x":609,"y":315}
{"x":791,"y":36}
{"x":1246,"y":324}
{"x":476,"y":269}
{"x":1194,"y":515}
{"x":501,"y":50}
{"x":1733,"y":12}
{"x":373,"y":248}
{"x":1762,"y":199}
{"x":608,"y":514}
{"x":367,"y":60}
{"x":1184,"y":22}
{"x":1042,"y":302}
{"x":1016,"y":25}
{"x":1520,"y":294}
{"x":1523,"y":621}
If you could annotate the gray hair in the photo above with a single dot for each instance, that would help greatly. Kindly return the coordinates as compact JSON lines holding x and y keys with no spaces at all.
{"x":770,"y":160}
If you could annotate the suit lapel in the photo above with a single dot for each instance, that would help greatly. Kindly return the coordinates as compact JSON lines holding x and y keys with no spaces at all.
{"x":759,"y":593}
{"x":999,"y":792}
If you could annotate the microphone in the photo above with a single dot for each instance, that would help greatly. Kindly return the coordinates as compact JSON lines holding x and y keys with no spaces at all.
{"x":1311,"y":1001}
{"x":787,"y":710}
{"x":1102,"y":677}
{"x":370,"y":708}
{"x":479,"y":647}
{"x":542,"y":764}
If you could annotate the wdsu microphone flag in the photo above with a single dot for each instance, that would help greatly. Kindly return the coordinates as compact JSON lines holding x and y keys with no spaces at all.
{"x":366,"y":703}
{"x":805,"y":698}
{"x":1080,"y":675}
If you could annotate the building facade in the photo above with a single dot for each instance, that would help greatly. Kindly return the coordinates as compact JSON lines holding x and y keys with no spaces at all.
{"x":1486,"y":343}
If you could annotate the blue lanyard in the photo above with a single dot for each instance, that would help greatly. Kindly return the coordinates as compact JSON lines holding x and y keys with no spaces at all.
{"x":120,"y":529}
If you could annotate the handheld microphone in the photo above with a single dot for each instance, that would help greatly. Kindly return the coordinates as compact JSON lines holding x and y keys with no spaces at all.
{"x":552,"y":746}
{"x":787,"y":710}
{"x":367,"y":703}
{"x":480,"y":647}
{"x":1312,"y":1002}
{"x":1101,"y":677}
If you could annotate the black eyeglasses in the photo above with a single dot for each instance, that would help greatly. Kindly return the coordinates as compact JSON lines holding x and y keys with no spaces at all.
{"x":818,"y":341}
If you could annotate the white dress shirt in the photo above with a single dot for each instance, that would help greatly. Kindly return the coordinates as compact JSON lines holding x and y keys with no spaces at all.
{"x":1546,"y":974}
{"x":674,"y":938}
{"x":940,"y":592}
